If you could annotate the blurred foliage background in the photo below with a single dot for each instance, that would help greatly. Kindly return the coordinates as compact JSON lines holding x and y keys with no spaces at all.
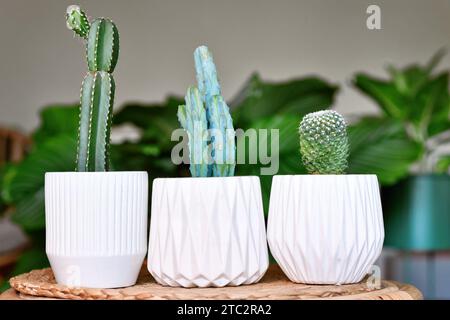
{"x":414,"y":104}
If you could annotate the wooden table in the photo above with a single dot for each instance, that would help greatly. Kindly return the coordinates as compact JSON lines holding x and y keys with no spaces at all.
{"x":40,"y":284}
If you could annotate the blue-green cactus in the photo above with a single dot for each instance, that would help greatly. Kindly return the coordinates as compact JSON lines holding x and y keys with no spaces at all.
{"x":209,"y":105}
{"x":222,"y":137}
{"x":206,"y":73}
{"x":192,"y":117}
{"x":97,"y":91}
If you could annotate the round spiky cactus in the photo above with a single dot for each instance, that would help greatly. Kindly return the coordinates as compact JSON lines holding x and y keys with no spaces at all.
{"x":324,"y":142}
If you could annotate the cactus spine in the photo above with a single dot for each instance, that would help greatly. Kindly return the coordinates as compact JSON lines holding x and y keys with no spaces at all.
{"x":97,"y":90}
{"x":206,"y":110}
{"x":324,"y":142}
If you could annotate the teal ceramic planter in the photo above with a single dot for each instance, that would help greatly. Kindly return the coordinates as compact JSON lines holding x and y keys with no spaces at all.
{"x":417,"y":213}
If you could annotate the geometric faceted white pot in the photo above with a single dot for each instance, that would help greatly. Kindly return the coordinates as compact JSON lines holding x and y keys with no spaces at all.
{"x":96,"y":227}
{"x":325,"y":229}
{"x":207,"y":232}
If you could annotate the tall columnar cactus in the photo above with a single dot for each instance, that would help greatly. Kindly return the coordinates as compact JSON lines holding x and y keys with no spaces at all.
{"x":97,"y":90}
{"x":324,"y":142}
{"x":207,"y":120}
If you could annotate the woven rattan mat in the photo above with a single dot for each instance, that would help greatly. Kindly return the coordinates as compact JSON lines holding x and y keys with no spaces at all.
{"x":274,"y":285}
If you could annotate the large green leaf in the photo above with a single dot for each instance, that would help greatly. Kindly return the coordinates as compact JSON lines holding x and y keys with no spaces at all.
{"x":152,"y":151}
{"x":55,"y":137}
{"x":142,"y":156}
{"x":23,"y":184}
{"x":413,"y":95}
{"x":380,"y":146}
{"x":142,"y":115}
{"x":56,"y":120}
{"x":157,"y":121}
{"x":259,"y":99}
{"x":385,"y":94}
{"x":430,"y":113}
{"x":410,"y":79}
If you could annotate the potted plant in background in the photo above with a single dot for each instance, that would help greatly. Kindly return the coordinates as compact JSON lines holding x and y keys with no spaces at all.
{"x":417,"y":208}
{"x":207,"y":230}
{"x":96,"y":221}
{"x":325,"y":227}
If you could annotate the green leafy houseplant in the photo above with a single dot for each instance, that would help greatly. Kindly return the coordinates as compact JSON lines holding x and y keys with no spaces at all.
{"x":97,"y":90}
{"x":415,"y":101}
{"x":225,"y":239}
{"x":419,"y":100}
{"x":95,"y":219}
{"x":325,"y":211}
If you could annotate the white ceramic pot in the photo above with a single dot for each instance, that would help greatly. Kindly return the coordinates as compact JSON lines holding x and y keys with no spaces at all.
{"x":207,"y":232}
{"x":325,"y":229}
{"x":96,"y":227}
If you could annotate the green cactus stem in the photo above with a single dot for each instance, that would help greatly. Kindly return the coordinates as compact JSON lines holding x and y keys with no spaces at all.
{"x":97,"y":99}
{"x":324,"y":142}
{"x":77,"y":21}
{"x":102,"y":45}
{"x":97,"y":91}
{"x":219,"y":124}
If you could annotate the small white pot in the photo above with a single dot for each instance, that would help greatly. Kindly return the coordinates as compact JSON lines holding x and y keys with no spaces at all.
{"x":96,"y":227}
{"x":207,"y":232}
{"x":325,"y":229}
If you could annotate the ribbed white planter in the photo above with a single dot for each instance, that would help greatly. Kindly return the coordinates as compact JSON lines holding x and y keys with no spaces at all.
{"x":325,"y":229}
{"x":207,"y":232}
{"x":96,"y":227}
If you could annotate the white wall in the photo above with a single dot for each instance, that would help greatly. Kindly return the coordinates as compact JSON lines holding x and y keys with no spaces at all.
{"x":41,"y":62}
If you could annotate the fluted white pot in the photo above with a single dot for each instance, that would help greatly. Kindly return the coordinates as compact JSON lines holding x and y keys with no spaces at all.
{"x":96,"y":227}
{"x":325,"y":229}
{"x":207,"y":232}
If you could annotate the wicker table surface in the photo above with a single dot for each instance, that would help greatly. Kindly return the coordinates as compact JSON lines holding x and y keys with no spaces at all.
{"x":40,"y":284}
